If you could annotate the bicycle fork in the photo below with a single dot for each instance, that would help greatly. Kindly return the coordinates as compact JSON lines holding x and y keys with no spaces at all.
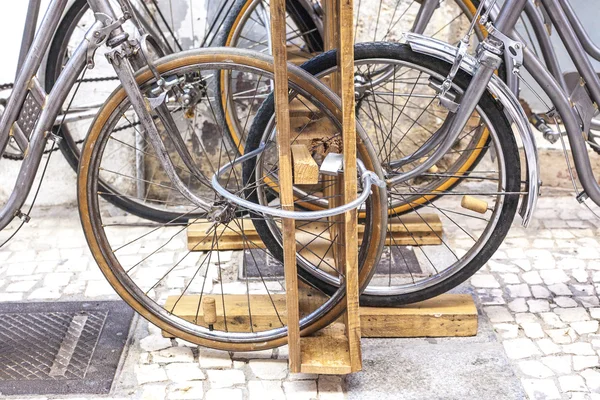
{"x":122,"y":59}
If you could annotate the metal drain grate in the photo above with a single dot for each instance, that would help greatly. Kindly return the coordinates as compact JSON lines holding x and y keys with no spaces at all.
{"x":395,"y":260}
{"x":61,"y":348}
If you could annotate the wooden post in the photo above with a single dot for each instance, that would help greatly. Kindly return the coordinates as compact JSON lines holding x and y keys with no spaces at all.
{"x":333,"y":184}
{"x":278,"y":34}
{"x":346,"y":77}
{"x":332,"y":37}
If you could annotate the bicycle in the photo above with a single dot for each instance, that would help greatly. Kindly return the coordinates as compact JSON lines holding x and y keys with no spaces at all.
{"x":467,"y":83}
{"x":166,"y":97}
{"x":100,"y":82}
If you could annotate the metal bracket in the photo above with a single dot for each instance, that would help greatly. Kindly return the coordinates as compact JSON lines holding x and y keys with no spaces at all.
{"x":22,"y":216}
{"x":54,"y":137}
{"x":583,"y":104}
{"x":514,"y":48}
{"x":98,"y":37}
{"x":446,"y":99}
{"x":333,"y":164}
{"x":582,"y":197}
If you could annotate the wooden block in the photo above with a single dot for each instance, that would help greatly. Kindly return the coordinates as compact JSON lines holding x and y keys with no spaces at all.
{"x":327,"y":352}
{"x":306,"y":170}
{"x":447,"y":315}
{"x":265,"y":310}
{"x":407,"y":230}
{"x":310,"y":132}
{"x":442,"y":316}
{"x":230,"y":238}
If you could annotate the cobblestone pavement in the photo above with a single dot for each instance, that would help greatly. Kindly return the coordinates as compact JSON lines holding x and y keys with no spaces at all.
{"x":540,"y":292}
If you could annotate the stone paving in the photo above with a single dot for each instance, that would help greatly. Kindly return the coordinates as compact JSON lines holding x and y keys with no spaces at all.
{"x":540,"y":293}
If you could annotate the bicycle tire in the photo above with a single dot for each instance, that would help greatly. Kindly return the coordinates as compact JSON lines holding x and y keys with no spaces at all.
{"x":493,"y":111}
{"x":92,"y":221}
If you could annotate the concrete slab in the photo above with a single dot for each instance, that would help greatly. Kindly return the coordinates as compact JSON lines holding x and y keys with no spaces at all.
{"x":436,"y":368}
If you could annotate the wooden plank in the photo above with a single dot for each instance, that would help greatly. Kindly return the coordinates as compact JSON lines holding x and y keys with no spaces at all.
{"x":326,"y":354}
{"x":282,"y":115}
{"x":408,"y":230}
{"x":306,"y":170}
{"x":447,"y":315}
{"x":345,"y":29}
{"x":266,"y":310}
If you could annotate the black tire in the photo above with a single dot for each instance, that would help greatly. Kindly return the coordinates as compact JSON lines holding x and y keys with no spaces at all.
{"x":493,"y":111}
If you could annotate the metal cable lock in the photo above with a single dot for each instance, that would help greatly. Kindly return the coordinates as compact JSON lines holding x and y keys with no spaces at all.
{"x":368,"y":179}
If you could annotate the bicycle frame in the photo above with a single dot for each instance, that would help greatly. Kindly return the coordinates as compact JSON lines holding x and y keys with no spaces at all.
{"x":506,"y":20}
{"x":27,"y":83}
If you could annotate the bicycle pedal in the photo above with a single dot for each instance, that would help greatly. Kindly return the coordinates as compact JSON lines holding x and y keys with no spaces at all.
{"x":29,"y":115}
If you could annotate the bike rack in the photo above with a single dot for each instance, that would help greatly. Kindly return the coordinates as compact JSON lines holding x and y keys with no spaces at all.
{"x":335,"y":349}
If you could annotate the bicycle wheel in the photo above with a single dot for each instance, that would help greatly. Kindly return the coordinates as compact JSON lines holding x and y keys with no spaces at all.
{"x":442,"y":243}
{"x":247,"y":26}
{"x":151,"y":265}
{"x":99,"y":82}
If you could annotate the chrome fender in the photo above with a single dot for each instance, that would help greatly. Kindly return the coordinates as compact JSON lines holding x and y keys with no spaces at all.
{"x":512,"y":108}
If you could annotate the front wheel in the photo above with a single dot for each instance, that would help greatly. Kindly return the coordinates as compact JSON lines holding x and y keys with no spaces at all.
{"x":436,"y":243}
{"x":167,"y":271}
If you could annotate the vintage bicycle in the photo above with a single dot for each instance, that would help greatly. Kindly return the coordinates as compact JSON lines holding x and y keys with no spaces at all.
{"x":169,"y":34}
{"x":142,"y":259}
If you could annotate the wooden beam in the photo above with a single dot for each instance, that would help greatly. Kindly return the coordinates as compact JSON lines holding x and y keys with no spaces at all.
{"x":345,"y":28}
{"x":442,"y":316}
{"x":282,"y":115}
{"x":407,"y":230}
{"x":326,"y":352}
{"x":306,"y":170}
{"x":447,"y":315}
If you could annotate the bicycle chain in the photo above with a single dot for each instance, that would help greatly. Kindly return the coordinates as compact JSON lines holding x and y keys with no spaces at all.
{"x":5,"y":86}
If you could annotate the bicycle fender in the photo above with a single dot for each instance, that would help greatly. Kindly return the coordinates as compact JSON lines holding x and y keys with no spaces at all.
{"x":512,"y":109}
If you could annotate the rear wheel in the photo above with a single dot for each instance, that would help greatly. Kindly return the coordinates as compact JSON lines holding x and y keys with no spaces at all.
{"x":436,"y":243}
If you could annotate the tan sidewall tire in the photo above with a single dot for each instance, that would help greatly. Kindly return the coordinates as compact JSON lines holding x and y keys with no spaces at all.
{"x":87,"y":202}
